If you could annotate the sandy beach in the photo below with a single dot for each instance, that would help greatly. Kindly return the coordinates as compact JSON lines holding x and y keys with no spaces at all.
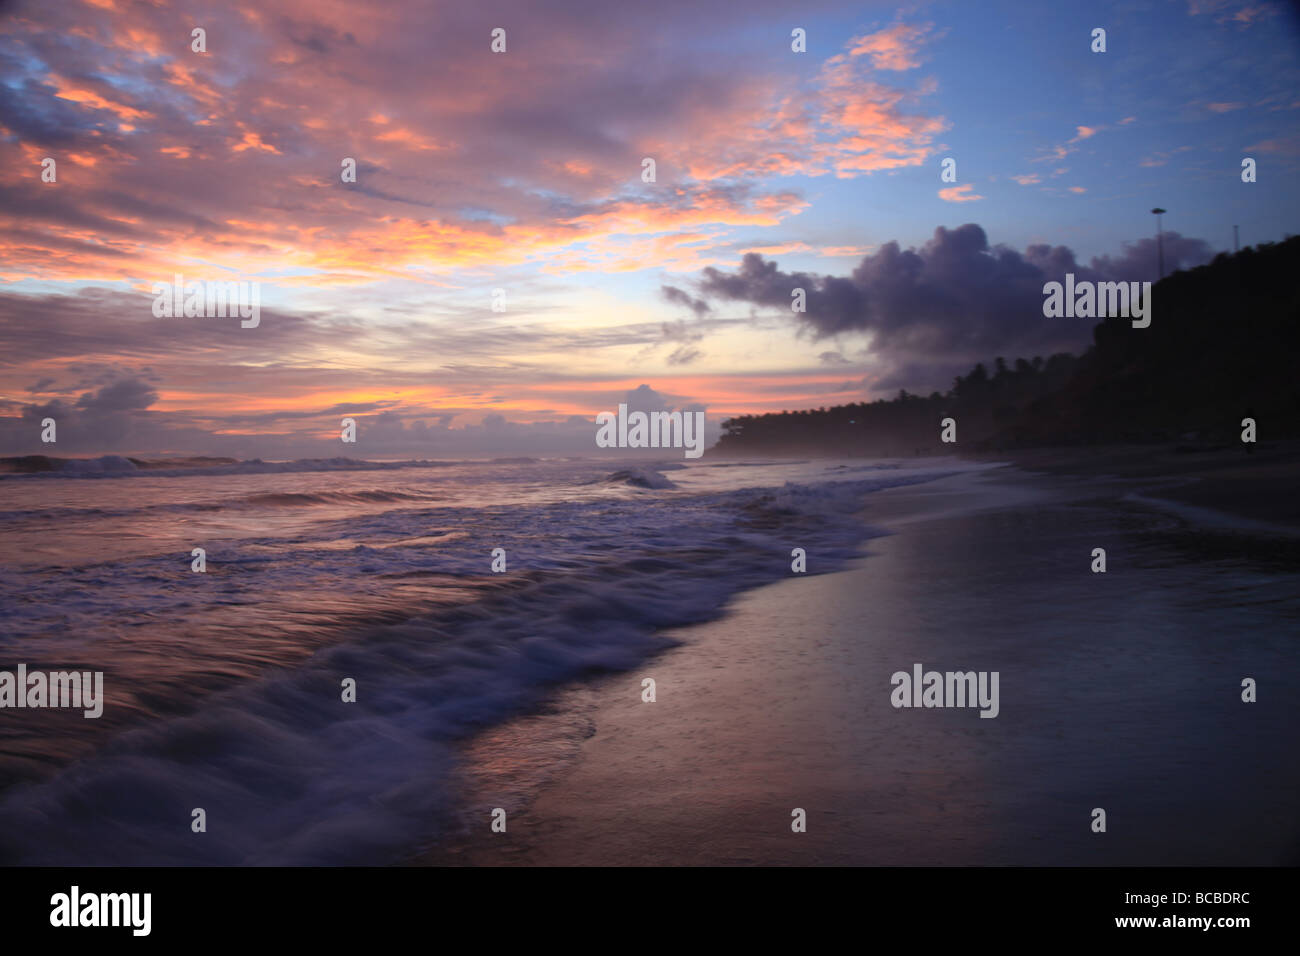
{"x":1118,"y":690}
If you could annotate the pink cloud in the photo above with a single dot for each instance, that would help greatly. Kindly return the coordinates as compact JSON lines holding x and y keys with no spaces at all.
{"x":958,"y":194}
{"x":520,"y":159}
{"x":894,"y":48}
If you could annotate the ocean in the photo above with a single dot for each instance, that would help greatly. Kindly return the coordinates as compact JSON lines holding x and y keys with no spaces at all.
{"x":223,"y":690}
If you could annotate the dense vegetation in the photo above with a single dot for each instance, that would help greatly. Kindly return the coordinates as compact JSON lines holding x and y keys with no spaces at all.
{"x":1223,"y":345}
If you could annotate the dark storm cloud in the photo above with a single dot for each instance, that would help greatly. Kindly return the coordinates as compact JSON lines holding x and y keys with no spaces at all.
{"x":953,"y":301}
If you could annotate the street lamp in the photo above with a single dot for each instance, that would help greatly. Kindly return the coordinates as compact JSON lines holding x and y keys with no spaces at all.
{"x":1160,"y":244}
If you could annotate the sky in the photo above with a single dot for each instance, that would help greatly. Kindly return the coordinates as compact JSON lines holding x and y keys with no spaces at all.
{"x":517,"y":179}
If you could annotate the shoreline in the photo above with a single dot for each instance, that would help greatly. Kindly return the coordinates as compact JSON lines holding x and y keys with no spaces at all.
{"x":783,"y":704}
{"x":1253,"y":483}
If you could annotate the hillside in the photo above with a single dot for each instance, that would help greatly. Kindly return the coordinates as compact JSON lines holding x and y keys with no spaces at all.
{"x":1222,"y":345}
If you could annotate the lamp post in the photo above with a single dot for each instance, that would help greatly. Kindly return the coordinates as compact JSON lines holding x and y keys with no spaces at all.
{"x":1160,"y":242}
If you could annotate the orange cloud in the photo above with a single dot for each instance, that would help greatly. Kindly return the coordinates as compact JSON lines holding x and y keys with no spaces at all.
{"x":410,"y":139}
{"x":252,"y":140}
{"x":958,"y":194}
{"x":86,"y":97}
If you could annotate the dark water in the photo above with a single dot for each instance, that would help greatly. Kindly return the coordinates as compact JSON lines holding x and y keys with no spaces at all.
{"x":223,"y":688}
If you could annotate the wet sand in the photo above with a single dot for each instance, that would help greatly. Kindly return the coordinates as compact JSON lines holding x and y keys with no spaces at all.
{"x":1118,"y":690}
{"x":1257,"y":482}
